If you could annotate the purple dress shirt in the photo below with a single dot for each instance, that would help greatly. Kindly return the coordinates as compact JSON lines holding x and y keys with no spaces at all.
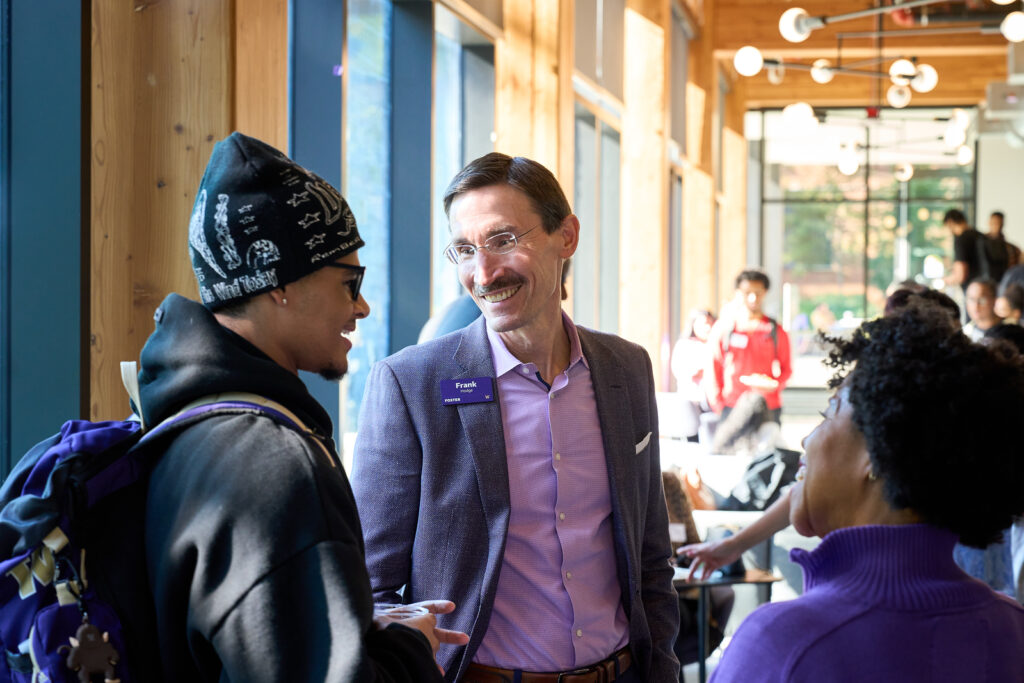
{"x":558,"y":601}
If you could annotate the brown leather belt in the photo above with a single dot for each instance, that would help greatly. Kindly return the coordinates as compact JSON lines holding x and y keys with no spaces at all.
{"x":601,"y":672}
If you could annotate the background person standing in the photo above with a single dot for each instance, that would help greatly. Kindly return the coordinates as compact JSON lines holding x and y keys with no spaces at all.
{"x":749,"y":350}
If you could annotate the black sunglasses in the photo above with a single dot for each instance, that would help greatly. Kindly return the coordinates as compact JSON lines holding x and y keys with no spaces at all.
{"x":356,"y":283}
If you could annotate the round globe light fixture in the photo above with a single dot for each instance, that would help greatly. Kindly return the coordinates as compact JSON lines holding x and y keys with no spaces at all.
{"x":954,"y":135}
{"x":748,"y":61}
{"x":898,"y":96}
{"x":799,"y":114}
{"x":964,"y":155}
{"x":901,"y":71}
{"x":821,"y":71}
{"x":926,"y":79}
{"x":1003,"y":2}
{"x":960,"y":118}
{"x":849,"y":165}
{"x":796,"y":25}
{"x":904,"y":172}
{"x":1012,"y":27}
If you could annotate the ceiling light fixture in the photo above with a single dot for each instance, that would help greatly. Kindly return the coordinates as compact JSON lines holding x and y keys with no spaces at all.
{"x":926,"y":79}
{"x":904,"y":172}
{"x":748,"y":61}
{"x":964,"y":155}
{"x":796,"y":24}
{"x":961,"y":118}
{"x":901,"y":71}
{"x":954,"y":136}
{"x":898,"y":96}
{"x":848,"y":163}
{"x":1012,"y":27}
{"x":799,"y":114}
{"x":821,"y":71}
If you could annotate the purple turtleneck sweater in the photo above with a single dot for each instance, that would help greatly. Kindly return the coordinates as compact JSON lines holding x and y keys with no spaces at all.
{"x":881,"y":603}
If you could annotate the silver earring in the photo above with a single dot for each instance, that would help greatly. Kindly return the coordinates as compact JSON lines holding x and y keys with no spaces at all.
{"x":284,"y":302}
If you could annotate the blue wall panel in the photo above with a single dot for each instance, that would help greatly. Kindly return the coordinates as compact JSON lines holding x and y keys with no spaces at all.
{"x":316,"y":30}
{"x":43,"y":225}
{"x":411,"y":87}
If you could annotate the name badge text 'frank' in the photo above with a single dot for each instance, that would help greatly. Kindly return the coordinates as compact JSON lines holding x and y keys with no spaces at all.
{"x":468,"y":390}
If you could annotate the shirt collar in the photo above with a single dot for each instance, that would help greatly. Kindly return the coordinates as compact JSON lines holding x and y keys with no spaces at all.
{"x":505,"y":362}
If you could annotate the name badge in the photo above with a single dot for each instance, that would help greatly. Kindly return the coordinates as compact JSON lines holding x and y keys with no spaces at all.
{"x":738,"y":341}
{"x":469,"y":390}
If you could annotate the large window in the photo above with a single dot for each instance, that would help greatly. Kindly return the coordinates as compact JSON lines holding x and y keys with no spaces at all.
{"x":367,"y":175}
{"x":834,"y":243}
{"x":596,"y":203}
{"x":463,"y":126}
{"x":599,"y":29}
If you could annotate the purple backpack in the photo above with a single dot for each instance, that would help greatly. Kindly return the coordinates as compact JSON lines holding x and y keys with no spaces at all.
{"x":52,"y":625}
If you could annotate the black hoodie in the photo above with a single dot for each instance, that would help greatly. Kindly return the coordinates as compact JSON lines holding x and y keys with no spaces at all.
{"x":253,"y":566}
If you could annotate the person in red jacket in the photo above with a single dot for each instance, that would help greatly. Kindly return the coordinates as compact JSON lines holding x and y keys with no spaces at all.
{"x":749,"y":350}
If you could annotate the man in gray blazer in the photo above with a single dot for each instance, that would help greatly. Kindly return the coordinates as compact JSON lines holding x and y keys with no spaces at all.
{"x":512,"y":466}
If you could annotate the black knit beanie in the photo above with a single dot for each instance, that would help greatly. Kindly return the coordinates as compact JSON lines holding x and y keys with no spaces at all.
{"x":261,"y":221}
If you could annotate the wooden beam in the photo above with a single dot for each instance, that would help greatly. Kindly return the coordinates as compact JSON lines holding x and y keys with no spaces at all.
{"x":162,"y":92}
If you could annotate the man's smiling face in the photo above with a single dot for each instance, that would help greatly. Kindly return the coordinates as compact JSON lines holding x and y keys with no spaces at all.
{"x":523,"y":286}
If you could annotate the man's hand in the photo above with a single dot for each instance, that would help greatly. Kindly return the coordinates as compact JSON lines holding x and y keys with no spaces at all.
{"x":421,"y":616}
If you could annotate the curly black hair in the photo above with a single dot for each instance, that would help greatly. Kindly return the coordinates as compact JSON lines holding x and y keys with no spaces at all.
{"x":937,"y":413}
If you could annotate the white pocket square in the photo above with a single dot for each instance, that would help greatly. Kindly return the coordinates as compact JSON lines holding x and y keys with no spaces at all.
{"x":643,"y":444}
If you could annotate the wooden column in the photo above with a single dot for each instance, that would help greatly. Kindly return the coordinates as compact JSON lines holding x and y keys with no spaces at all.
{"x":530,"y":82}
{"x":261,"y":70}
{"x":732,"y":227}
{"x":644,"y":208}
{"x":699,"y":256}
{"x":161,"y":97}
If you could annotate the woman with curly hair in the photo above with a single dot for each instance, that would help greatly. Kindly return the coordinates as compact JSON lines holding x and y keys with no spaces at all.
{"x":907,"y":461}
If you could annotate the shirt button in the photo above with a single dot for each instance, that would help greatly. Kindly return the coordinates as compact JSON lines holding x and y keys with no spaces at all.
{"x":558,"y":456}
{"x":568,"y":575}
{"x":561,"y":515}
{"x":579,"y":633}
{"x":526,"y":371}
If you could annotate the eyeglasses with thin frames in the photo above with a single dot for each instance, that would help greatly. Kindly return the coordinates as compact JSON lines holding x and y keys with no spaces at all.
{"x":500,"y":243}
{"x":356,"y":283}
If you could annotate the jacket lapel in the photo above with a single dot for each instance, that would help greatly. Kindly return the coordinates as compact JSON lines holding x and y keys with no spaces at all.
{"x":485,"y":436}
{"x":613,"y":411}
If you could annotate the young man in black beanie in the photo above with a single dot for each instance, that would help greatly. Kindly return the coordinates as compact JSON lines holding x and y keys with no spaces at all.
{"x":254,"y":563}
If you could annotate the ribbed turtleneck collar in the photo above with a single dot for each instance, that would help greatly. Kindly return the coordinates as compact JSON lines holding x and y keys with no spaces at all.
{"x":899,"y":567}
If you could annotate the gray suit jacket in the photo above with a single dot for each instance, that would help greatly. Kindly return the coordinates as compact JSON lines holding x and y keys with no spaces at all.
{"x":431,"y":483}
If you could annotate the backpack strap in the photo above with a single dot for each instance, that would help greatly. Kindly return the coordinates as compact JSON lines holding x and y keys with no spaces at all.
{"x":239,"y":402}
{"x":223,"y":403}
{"x":236,"y":402}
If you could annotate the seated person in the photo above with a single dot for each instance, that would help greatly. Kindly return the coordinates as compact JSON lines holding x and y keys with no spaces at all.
{"x":981,"y":308}
{"x":908,"y":460}
{"x":680,"y":511}
{"x":1010,"y":303}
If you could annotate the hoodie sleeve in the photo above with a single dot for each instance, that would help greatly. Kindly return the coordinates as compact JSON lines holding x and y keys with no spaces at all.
{"x":298,"y":624}
{"x":258,"y":566}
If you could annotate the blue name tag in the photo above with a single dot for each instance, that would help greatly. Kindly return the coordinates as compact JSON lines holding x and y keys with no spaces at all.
{"x":469,"y":390}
